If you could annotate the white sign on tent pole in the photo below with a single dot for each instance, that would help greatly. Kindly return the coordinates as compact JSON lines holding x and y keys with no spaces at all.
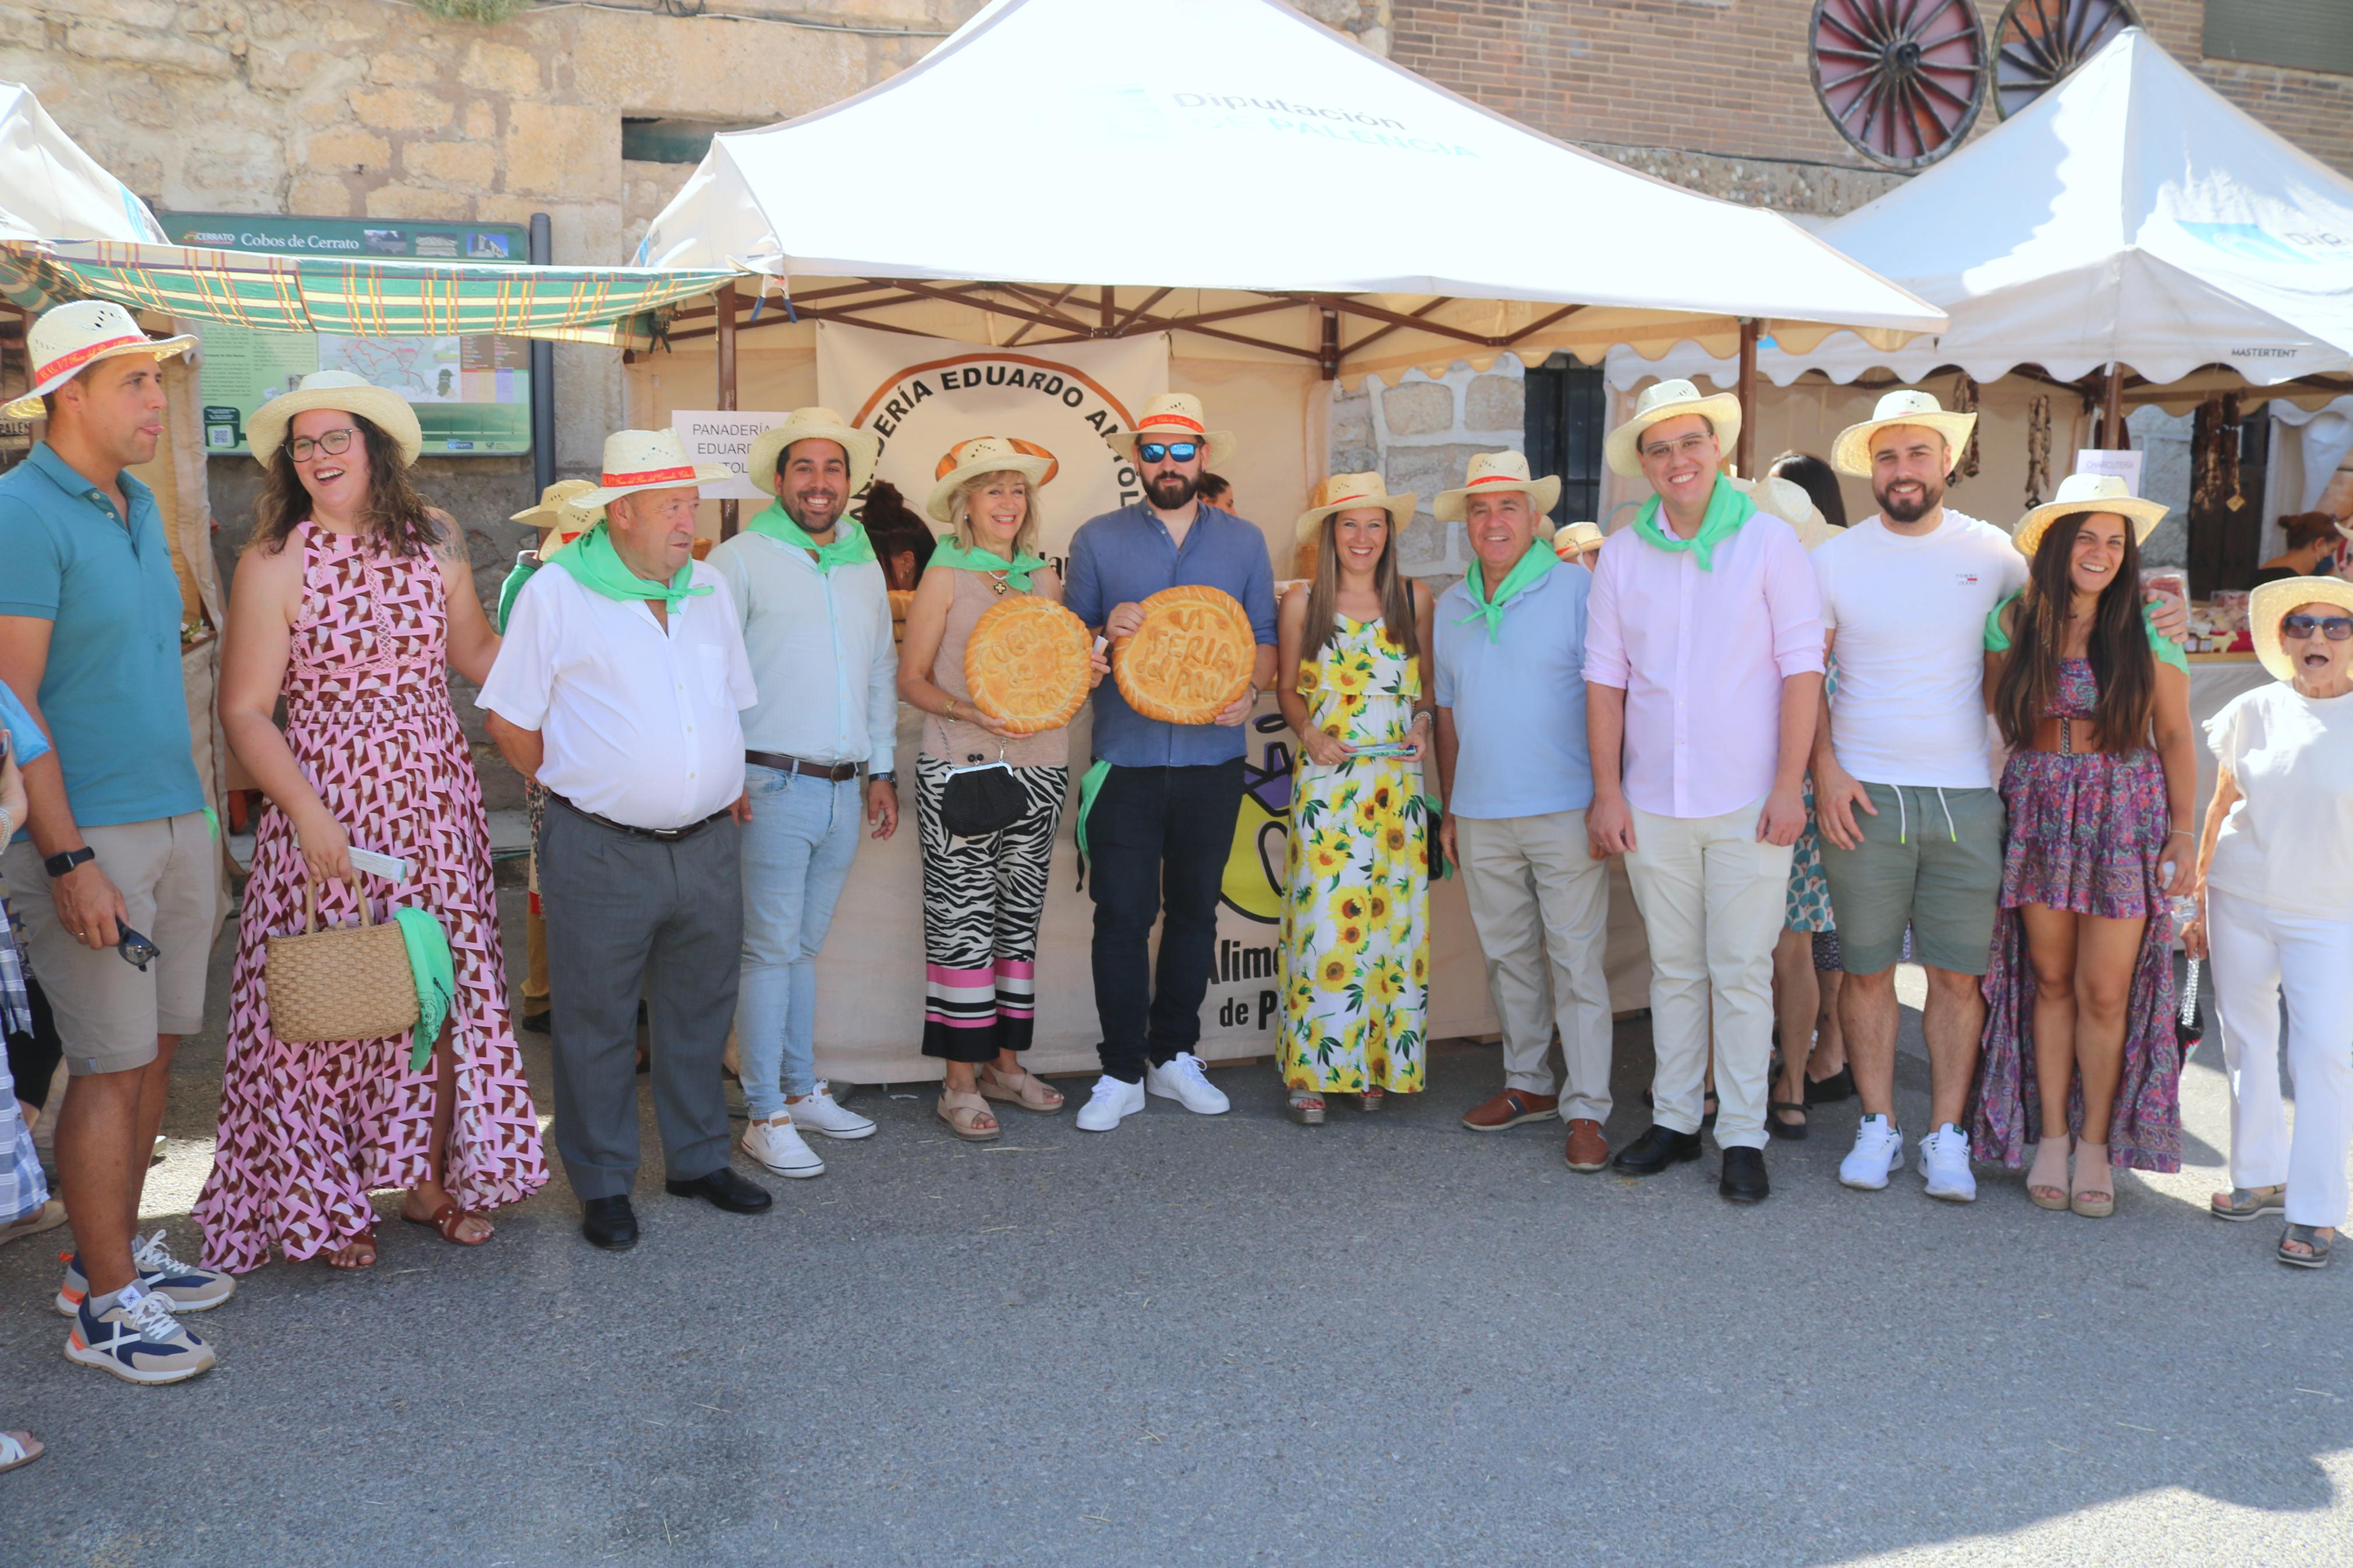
{"x":723,"y":436}
{"x":2126,"y":466}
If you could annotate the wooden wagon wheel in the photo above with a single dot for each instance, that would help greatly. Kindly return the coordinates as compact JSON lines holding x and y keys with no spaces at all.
{"x":2038,"y":42}
{"x":1902,"y":80}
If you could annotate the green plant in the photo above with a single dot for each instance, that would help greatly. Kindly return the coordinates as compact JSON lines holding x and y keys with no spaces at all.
{"x":487,"y":13}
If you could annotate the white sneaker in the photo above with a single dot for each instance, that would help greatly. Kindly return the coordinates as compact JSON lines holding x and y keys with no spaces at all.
{"x":777,"y":1145}
{"x":1878,"y":1151}
{"x":817,"y":1112}
{"x":1183,"y":1081}
{"x":1944,"y":1161}
{"x":1112,"y":1102}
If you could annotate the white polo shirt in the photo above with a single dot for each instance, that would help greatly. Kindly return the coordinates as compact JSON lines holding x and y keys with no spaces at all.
{"x":640,"y":723}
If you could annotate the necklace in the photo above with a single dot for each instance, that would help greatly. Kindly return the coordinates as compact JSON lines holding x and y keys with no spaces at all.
{"x":997,"y":580}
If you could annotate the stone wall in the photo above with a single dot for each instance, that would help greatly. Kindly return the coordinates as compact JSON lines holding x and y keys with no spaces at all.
{"x":1420,"y":435}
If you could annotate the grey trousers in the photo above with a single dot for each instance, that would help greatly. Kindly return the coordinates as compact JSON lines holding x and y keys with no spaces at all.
{"x":1541,"y":907}
{"x":628,"y":916}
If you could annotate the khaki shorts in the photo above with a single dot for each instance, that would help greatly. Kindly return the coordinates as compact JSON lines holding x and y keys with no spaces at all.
{"x":108,"y":1012}
{"x":1930,"y":859}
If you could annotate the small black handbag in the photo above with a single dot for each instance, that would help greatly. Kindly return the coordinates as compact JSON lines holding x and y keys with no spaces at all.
{"x":983,"y":801}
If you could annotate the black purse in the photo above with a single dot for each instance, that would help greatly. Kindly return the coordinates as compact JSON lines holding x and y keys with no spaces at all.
{"x":983,"y":801}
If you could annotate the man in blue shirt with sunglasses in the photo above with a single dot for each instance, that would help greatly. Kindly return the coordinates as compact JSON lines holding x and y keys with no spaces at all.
{"x":1158,"y":809}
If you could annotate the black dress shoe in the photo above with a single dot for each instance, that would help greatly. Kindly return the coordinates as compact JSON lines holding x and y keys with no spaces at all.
{"x":537,"y":1023}
{"x":724,"y":1189}
{"x":1655,"y":1149}
{"x":609,"y":1223}
{"x":1744,"y":1177}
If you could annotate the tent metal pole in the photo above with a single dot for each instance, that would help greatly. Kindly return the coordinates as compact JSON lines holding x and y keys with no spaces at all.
{"x":725,"y":300}
{"x":1747,"y":397}
{"x":543,"y":375}
{"x":2111,"y":424}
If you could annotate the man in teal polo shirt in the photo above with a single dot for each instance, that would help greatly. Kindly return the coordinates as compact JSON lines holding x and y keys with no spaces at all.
{"x":116,"y":833}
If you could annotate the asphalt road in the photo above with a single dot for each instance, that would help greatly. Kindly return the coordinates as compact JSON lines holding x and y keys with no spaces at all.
{"x":1232,"y":1340}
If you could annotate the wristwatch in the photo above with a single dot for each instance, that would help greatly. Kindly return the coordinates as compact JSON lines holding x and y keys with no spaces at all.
{"x":59,"y":864}
{"x":890,"y":778}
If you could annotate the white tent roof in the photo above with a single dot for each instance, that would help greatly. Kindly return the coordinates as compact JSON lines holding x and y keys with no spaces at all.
{"x":51,"y":189}
{"x":1246,"y":160}
{"x":2131,"y":213}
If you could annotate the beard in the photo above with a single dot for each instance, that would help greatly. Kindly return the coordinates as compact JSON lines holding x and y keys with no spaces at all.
{"x":1170,"y":491}
{"x":1910,"y":510}
{"x":799,"y":509}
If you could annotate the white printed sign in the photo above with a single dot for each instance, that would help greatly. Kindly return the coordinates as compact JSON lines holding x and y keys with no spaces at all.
{"x":723,"y":436}
{"x":2124,"y":465}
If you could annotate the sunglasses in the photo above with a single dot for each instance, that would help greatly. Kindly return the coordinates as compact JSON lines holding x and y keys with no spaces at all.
{"x":1161,"y":451}
{"x":2335,"y":628}
{"x":331,"y":443}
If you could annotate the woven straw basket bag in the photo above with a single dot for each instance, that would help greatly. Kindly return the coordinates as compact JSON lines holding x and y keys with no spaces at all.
{"x":345,"y":982}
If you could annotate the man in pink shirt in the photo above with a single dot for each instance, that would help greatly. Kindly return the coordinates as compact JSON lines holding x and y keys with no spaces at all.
{"x":1703,"y":672}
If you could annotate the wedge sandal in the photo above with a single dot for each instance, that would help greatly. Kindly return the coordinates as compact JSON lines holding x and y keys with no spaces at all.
{"x":2248,"y":1203}
{"x":2310,"y":1235}
{"x":1306,"y":1109}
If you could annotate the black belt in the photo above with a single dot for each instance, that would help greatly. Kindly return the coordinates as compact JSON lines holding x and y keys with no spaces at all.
{"x":660,"y":835}
{"x":837,"y":771}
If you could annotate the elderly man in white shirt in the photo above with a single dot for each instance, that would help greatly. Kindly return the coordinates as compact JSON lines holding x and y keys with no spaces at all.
{"x":617,"y":688}
{"x":815,"y":615}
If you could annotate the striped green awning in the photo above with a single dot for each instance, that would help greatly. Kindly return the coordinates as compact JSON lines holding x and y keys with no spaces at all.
{"x":387,"y":298}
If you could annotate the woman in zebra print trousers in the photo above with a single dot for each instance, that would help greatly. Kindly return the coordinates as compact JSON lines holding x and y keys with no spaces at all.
{"x":983,"y":897}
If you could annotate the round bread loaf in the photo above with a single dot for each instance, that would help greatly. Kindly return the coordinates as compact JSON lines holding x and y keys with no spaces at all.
{"x":1026,"y":664}
{"x":1192,"y":657}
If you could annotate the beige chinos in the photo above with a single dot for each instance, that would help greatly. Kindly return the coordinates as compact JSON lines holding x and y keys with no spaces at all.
{"x":1541,"y":906}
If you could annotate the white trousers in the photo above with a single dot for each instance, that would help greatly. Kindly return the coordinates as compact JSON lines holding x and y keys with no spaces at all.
{"x":1712,"y":898}
{"x":2260,"y":955}
{"x":1541,"y":906}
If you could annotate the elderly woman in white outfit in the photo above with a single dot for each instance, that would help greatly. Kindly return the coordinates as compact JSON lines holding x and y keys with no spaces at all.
{"x":2275,"y":877}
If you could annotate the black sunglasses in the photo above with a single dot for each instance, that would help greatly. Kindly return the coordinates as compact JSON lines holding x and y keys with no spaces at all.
{"x":1160,"y":451}
{"x":2335,"y":628}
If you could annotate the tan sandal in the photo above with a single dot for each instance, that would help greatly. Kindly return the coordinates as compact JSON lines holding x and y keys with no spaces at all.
{"x":2094,"y":1199}
{"x":968,"y":1116}
{"x":2044,"y":1192}
{"x":1026,"y":1089}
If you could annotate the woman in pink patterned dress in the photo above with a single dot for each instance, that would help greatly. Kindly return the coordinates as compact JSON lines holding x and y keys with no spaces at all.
{"x":352,"y":601}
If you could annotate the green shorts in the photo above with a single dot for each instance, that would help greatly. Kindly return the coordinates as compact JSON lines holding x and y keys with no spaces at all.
{"x":1931,"y":860}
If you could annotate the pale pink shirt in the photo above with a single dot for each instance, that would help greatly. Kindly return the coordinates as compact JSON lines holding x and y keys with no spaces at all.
{"x":1700,"y":657}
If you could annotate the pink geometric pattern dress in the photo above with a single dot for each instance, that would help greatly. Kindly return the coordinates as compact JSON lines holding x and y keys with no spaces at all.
{"x":307,"y":1132}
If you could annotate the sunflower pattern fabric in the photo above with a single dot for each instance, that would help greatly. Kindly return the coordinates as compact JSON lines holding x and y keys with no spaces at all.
{"x":1355,"y":914}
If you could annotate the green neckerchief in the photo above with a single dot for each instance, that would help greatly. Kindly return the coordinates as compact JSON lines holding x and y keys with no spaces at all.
{"x":948,"y":552}
{"x":1728,"y":508}
{"x":1534,"y":563}
{"x":597,"y":566}
{"x":2166,"y":650}
{"x":525,"y":565}
{"x":849,"y":547}
{"x":437,"y":983}
{"x":1091,"y":784}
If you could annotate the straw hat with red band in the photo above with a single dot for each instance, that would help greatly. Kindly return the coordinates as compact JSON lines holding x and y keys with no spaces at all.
{"x":645,"y":460}
{"x":987,"y":455}
{"x":813,"y":423}
{"x":1352,"y":493}
{"x":1175,"y":416}
{"x":69,"y":338}
{"x":345,"y":393}
{"x":1491,"y":472}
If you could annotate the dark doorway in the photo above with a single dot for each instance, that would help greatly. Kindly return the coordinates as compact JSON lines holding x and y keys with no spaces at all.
{"x":1567,"y":407}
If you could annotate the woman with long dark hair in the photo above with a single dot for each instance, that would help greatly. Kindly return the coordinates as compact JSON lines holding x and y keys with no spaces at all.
{"x":2095,"y":706}
{"x":351,"y":604}
{"x":1352,"y":646}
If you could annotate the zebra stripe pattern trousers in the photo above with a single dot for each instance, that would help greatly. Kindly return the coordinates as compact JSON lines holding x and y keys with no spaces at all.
{"x":982,"y":898}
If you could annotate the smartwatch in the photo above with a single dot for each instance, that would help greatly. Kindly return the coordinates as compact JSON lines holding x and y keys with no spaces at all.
{"x":58,"y":865}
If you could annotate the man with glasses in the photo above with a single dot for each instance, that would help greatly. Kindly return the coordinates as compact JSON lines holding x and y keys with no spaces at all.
{"x":1157,"y":809}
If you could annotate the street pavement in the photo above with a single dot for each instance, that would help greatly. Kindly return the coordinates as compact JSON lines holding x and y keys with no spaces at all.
{"x":1230,"y":1340}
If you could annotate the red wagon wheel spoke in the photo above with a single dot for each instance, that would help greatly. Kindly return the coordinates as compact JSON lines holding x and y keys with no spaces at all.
{"x":1902,"y":80}
{"x":2038,"y":42}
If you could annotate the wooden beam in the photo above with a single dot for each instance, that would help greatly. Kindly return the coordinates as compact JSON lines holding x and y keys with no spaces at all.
{"x":1747,"y":441}
{"x":2111,"y":406}
{"x":1053,"y":304}
{"x":725,"y":303}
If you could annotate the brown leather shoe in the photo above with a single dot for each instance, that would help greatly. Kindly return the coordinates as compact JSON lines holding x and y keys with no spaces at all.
{"x":1587,"y":1150}
{"x":1510,"y":1108}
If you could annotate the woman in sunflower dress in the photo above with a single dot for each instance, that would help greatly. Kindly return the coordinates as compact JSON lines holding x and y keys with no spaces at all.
{"x":1356,"y":929}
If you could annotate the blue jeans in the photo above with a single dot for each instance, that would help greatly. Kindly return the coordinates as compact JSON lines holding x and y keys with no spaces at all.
{"x":797,"y":853}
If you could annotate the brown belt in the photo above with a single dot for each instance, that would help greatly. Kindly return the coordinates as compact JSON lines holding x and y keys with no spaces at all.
{"x":837,"y":771}
{"x":660,"y":835}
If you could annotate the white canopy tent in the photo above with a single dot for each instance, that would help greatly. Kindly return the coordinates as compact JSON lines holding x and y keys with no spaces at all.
{"x":49,"y":188}
{"x":2131,"y":216}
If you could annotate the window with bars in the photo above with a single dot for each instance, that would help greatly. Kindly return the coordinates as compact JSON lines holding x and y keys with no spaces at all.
{"x":2308,"y":35}
{"x":1567,"y":405}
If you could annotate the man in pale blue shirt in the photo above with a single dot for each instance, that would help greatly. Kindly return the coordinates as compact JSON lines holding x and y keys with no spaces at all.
{"x":1516,"y":778}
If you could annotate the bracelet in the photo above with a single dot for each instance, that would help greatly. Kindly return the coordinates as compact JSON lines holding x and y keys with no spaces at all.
{"x":2180,"y":833}
{"x":950,"y":714}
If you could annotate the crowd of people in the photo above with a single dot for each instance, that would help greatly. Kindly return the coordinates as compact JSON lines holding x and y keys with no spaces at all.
{"x":1778,"y":722}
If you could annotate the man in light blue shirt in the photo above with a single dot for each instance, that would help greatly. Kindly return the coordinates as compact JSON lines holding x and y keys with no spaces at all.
{"x":1516,"y":778}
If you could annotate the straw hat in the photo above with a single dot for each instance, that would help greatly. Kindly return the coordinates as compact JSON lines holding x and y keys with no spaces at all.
{"x":83,"y":333}
{"x":345,"y":393}
{"x":987,"y":455}
{"x":645,"y":460}
{"x":2088,"y":492}
{"x":1174,"y":416}
{"x":1851,"y":453}
{"x":1574,"y":540}
{"x":1668,"y":400}
{"x":559,"y":516}
{"x":1493,"y":471}
{"x":1351,"y":492}
{"x":1788,"y":499}
{"x":2268,"y":603}
{"x":814,"y":424}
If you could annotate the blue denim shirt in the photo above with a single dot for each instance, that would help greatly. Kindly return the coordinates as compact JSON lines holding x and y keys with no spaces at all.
{"x":1124,"y":557}
{"x":1519,"y":700}
{"x":113,"y":693}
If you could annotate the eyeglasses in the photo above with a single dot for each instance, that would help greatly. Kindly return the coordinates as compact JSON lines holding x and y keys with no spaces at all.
{"x":333,"y":442}
{"x":1160,"y":451}
{"x":2335,"y":628}
{"x":1690,"y":446}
